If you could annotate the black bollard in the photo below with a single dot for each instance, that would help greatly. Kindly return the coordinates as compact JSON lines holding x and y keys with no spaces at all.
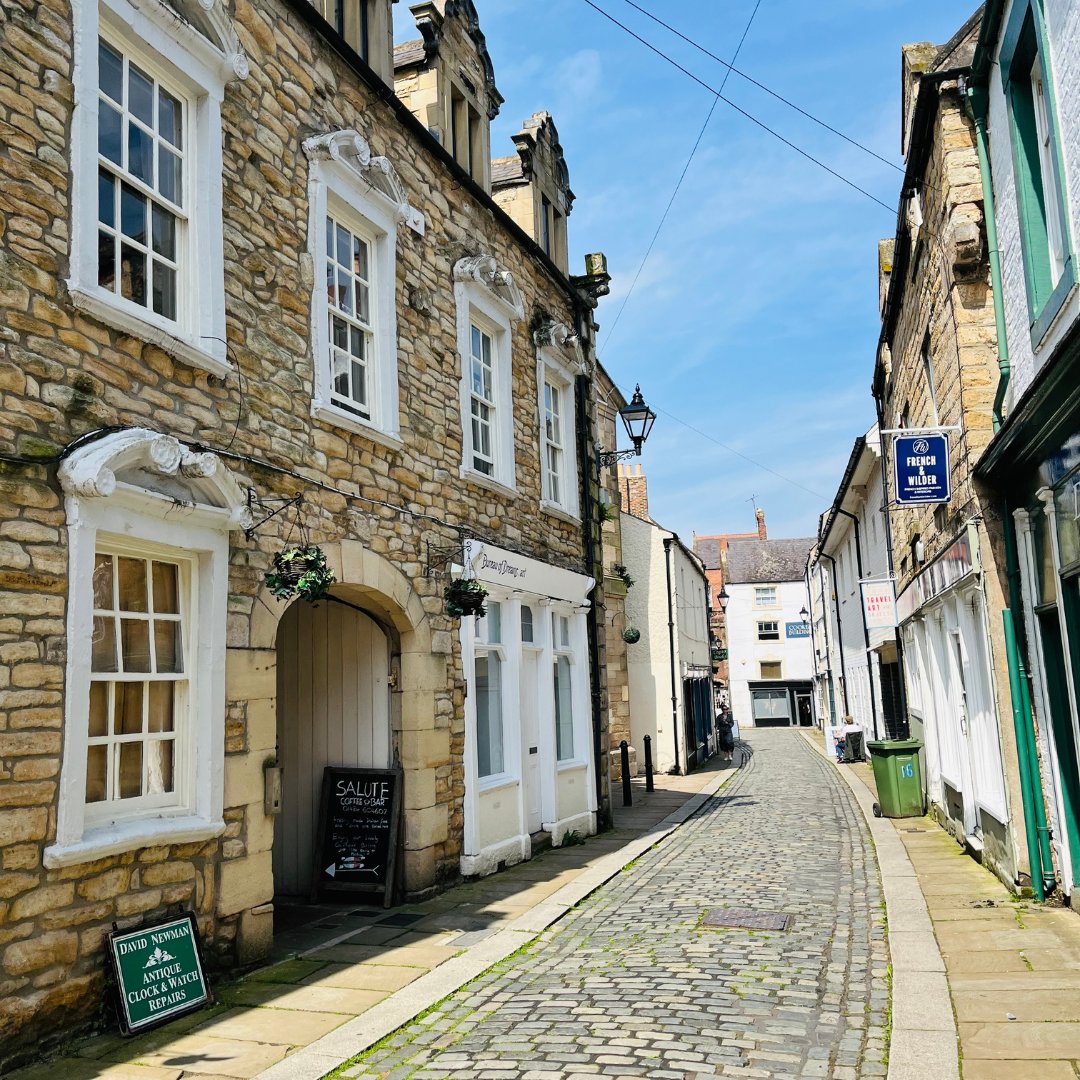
{"x":648,"y":764}
{"x":624,"y":755}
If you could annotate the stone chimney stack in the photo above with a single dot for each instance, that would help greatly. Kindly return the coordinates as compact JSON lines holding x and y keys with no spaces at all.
{"x":634,"y":490}
{"x":762,"y":532}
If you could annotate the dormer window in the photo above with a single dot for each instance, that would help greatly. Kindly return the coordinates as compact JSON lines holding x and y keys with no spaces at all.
{"x":534,"y":187}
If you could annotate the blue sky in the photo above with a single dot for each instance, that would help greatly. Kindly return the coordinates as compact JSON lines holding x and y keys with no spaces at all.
{"x":755,"y":318}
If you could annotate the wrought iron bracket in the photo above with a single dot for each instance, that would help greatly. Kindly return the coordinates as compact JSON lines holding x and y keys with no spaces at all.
{"x":261,"y":503}
{"x":606,"y":458}
{"x":438,"y":559}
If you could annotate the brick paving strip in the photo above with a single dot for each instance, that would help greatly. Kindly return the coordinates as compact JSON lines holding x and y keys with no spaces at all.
{"x":1013,"y":966}
{"x":365,"y":972}
{"x":629,"y":983}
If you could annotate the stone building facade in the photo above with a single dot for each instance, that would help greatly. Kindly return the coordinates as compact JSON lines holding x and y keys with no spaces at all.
{"x":250,"y":297}
{"x":936,"y":370}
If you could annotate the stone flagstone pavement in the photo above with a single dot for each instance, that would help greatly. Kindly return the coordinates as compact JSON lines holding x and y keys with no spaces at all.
{"x":1013,"y":966}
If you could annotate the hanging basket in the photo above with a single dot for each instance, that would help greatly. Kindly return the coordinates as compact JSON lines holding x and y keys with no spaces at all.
{"x":631,"y":635}
{"x":300,"y":572}
{"x":465,"y":598}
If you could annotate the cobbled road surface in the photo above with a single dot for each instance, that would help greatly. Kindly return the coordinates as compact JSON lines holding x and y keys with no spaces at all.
{"x":629,"y":983}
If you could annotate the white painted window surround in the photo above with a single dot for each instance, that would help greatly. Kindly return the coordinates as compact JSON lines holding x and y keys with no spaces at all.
{"x":196,"y":54}
{"x":348,"y":182}
{"x":486,"y":296}
{"x":558,"y":360}
{"x":143,"y":493}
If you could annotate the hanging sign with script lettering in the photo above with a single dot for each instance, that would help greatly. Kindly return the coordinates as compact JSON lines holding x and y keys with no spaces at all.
{"x":158,"y":972}
{"x":359,"y":820}
{"x":921,"y":469}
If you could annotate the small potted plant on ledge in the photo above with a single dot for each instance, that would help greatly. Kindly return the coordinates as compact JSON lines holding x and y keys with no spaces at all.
{"x":300,"y":571}
{"x":465,"y":597}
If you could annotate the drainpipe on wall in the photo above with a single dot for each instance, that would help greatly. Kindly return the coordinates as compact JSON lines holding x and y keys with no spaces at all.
{"x":839,"y":634}
{"x":1037,"y":833}
{"x":668,"y":541}
{"x":977,"y":101}
{"x":588,"y":465}
{"x":828,"y":651}
{"x":866,"y":632}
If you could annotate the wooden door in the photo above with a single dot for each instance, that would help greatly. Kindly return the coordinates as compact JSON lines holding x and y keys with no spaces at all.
{"x":333,"y":709}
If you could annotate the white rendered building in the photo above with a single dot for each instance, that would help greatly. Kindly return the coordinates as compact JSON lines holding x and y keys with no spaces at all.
{"x":770,"y":657}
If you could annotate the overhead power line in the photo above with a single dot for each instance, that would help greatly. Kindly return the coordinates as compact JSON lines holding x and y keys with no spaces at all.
{"x":682,"y":175}
{"x":732,"y":70}
{"x":727,"y":101}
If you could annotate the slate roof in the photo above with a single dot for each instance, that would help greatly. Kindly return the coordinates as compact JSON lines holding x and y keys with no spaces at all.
{"x":505,"y":169}
{"x":408,"y":53}
{"x":708,"y":551}
{"x":767,"y":560}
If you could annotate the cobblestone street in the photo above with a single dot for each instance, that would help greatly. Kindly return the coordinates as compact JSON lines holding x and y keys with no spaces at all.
{"x":631,"y":984}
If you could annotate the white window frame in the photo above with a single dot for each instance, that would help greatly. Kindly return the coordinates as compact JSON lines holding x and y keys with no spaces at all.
{"x":347,"y":182}
{"x":187,"y":514}
{"x":774,"y":623}
{"x":759,"y":603}
{"x":110,"y":811}
{"x":487,"y":297}
{"x":197,"y":70}
{"x":552,"y":368}
{"x":481,"y":646}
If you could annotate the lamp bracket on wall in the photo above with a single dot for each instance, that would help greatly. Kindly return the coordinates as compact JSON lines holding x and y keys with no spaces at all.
{"x":262,"y":504}
{"x":439,"y":559}
{"x":606,"y":458}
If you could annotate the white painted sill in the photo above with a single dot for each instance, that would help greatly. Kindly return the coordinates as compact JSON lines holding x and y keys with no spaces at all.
{"x":571,"y":764}
{"x":339,"y":418}
{"x":560,"y":512}
{"x":101,"y":307}
{"x":482,"y":480}
{"x":496,"y":783}
{"x":130,"y":836}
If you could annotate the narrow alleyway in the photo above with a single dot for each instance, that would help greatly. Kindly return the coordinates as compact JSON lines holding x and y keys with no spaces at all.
{"x":631,"y":984}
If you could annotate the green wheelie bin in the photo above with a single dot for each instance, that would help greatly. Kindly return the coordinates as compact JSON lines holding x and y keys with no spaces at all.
{"x":898,"y":777}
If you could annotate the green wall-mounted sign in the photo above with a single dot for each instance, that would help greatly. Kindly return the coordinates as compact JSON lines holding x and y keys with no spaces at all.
{"x":159,"y":973}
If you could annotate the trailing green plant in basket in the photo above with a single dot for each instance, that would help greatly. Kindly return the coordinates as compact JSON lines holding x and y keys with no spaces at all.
{"x":300,"y":571}
{"x":631,"y":635}
{"x":465,"y":598}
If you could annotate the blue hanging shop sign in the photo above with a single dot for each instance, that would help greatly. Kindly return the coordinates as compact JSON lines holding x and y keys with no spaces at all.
{"x":921,"y":469}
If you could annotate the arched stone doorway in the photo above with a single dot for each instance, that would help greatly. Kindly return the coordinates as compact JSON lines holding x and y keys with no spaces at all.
{"x":333,"y":695}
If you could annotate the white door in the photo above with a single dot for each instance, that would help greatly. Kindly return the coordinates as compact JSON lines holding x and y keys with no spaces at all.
{"x":530,"y":736}
{"x":333,"y":702}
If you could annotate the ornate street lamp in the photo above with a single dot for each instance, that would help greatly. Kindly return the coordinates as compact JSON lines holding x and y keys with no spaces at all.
{"x":638,"y":420}
{"x":723,"y":597}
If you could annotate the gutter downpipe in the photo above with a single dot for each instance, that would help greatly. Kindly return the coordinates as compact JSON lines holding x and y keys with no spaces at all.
{"x":828,"y":652}
{"x":668,"y":541}
{"x":866,"y":632}
{"x":977,"y":102}
{"x":1037,"y":832}
{"x":586,"y":456}
{"x":839,"y":633}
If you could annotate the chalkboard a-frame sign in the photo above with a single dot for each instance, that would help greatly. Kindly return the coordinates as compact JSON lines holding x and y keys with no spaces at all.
{"x":359,"y":822}
{"x":158,"y":973}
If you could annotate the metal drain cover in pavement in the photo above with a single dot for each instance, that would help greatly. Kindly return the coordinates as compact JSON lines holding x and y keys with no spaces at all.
{"x":745,"y":919}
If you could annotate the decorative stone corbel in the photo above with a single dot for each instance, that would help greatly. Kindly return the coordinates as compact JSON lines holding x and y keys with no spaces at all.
{"x":484,"y":270}
{"x":350,"y":149}
{"x":552,"y":334}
